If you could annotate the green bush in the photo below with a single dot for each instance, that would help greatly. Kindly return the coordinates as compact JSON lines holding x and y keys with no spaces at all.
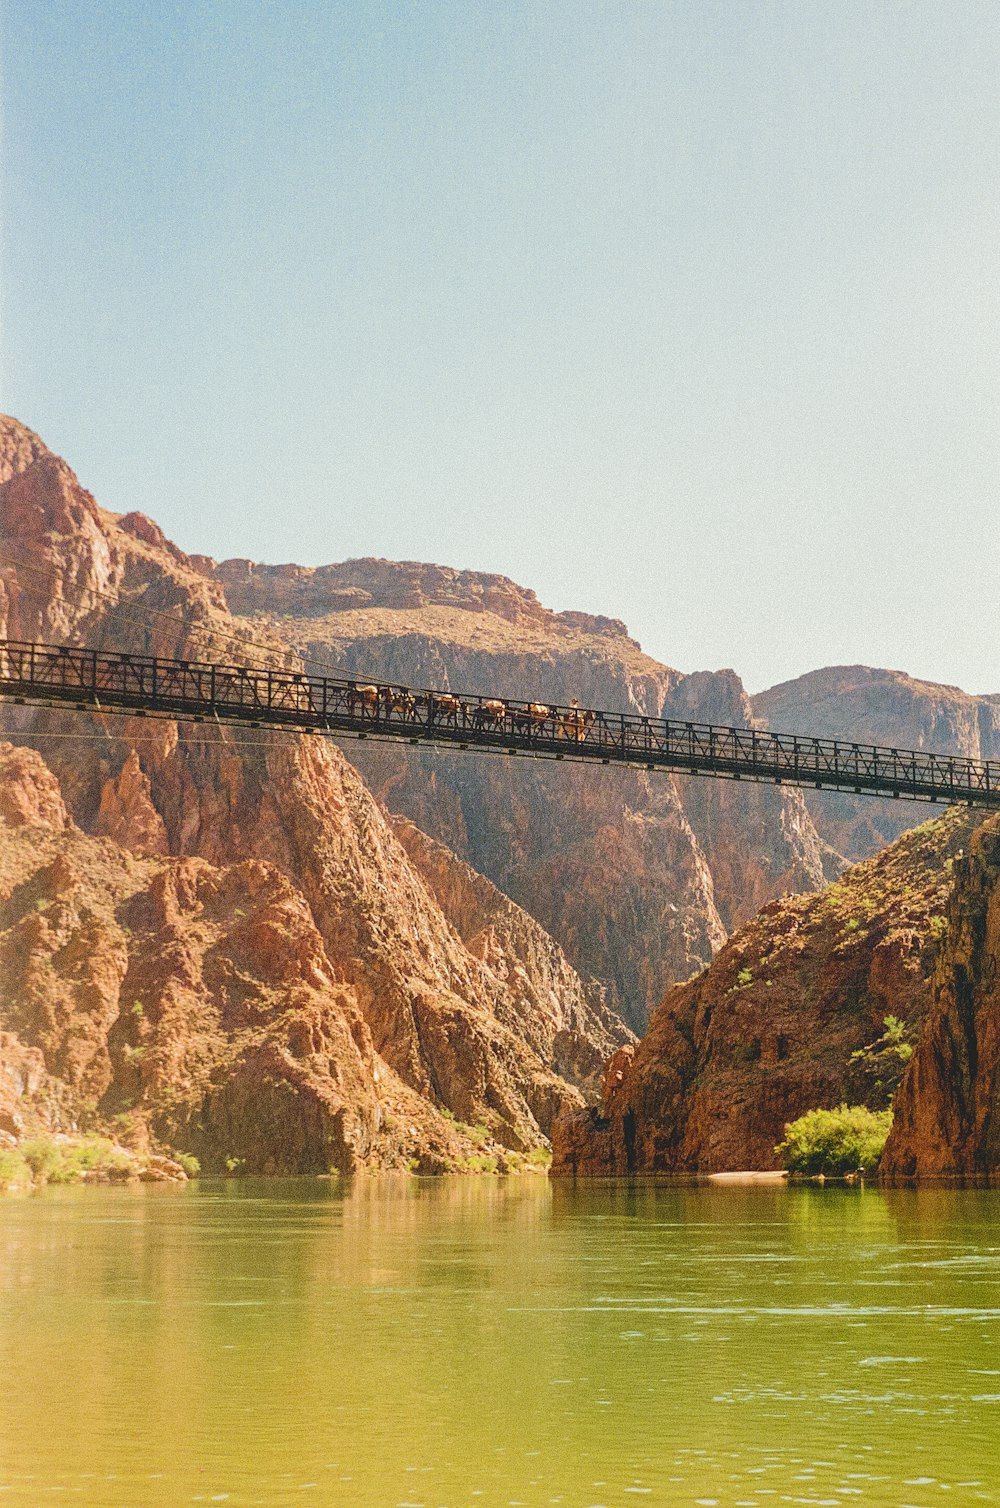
{"x":479,"y":1162}
{"x":14,"y":1171}
{"x":43,"y":1158}
{"x":70,"y":1161}
{"x":835,"y":1142}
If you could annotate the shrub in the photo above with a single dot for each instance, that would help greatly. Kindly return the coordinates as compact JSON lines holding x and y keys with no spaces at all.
{"x":14,"y":1171}
{"x":479,"y":1162}
{"x":835,"y":1142}
{"x":43,"y":1158}
{"x":53,"y":1161}
{"x":874,"y":1071}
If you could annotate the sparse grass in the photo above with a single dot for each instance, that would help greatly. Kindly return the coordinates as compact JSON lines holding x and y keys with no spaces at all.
{"x":77,"y":1159}
{"x":479,"y":1162}
{"x":74,"y":1161}
{"x":893,"y":1041}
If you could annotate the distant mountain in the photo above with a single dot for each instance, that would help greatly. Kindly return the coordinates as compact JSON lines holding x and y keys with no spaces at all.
{"x":639,"y":877}
{"x":862,"y":705}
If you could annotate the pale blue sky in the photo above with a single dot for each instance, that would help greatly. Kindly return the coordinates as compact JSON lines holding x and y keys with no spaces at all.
{"x":682,"y":312}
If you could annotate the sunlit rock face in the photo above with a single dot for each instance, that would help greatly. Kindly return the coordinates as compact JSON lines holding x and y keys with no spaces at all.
{"x":639,"y":877}
{"x":865,"y":705}
{"x":385,"y":1030}
{"x":428,"y":942}
{"x":769,"y":1030}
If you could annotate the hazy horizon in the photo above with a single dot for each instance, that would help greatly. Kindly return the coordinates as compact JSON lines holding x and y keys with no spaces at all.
{"x":681,"y":314}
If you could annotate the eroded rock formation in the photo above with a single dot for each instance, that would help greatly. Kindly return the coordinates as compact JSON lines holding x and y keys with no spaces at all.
{"x":768,"y":1030}
{"x":500,"y":1039}
{"x":946,"y":1117}
{"x":638,"y":877}
{"x":865,"y":705}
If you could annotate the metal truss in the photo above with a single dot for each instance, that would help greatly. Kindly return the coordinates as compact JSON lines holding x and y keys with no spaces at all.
{"x":93,"y":680}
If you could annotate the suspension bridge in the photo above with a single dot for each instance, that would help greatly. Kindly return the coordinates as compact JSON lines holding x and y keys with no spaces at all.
{"x":97,"y":681}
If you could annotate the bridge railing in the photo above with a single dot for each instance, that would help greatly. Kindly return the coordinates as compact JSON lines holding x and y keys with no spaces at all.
{"x":143,"y":684}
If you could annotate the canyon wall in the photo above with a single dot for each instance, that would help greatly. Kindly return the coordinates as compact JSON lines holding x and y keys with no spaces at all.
{"x":639,"y":877}
{"x":946,"y":1111}
{"x":443,"y":1023}
{"x":433,"y":953}
{"x":864,"y":705}
{"x":772,"y":1027}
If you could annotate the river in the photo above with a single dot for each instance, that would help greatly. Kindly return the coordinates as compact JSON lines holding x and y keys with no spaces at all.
{"x":485,"y":1342}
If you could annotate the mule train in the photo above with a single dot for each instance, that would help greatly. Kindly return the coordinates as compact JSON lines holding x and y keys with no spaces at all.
{"x":572,"y":722}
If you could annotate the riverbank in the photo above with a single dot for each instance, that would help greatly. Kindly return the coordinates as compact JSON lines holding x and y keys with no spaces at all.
{"x":42,"y":1160}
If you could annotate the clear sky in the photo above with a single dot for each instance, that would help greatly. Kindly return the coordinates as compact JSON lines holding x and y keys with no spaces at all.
{"x":682,"y":312}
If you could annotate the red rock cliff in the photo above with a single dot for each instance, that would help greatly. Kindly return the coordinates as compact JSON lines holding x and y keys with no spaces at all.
{"x":436,"y":1015}
{"x":638,"y":877}
{"x":768,"y":1030}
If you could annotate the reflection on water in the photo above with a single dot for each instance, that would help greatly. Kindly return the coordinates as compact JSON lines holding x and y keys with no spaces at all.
{"x":499,"y":1342}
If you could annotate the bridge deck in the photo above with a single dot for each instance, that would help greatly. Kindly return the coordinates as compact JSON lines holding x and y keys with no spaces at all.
{"x":89,"y":680}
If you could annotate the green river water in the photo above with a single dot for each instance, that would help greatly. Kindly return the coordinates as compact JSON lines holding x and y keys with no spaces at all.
{"x":484,"y":1342}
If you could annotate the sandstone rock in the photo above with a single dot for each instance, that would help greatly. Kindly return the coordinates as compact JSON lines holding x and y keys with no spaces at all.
{"x":29,"y":792}
{"x":161,"y":1170}
{"x":126,"y":812}
{"x":20,"y":447}
{"x":864,"y":705}
{"x":768,"y":1030}
{"x":413,"y":1022}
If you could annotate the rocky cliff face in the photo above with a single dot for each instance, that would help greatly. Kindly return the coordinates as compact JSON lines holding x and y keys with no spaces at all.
{"x":638,"y":877}
{"x":863,"y":705}
{"x":946,"y":1111}
{"x":383,"y":954}
{"x":440,"y":1033}
{"x":768,"y":1030}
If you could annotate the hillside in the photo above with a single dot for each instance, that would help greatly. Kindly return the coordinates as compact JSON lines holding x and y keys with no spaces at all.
{"x":472,"y":934}
{"x":481,"y":1019}
{"x":863,"y":705}
{"x":769,"y":1029}
{"x":638,"y":877}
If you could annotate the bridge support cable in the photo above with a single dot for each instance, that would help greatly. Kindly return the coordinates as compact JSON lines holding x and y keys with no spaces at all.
{"x":72,"y":678}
